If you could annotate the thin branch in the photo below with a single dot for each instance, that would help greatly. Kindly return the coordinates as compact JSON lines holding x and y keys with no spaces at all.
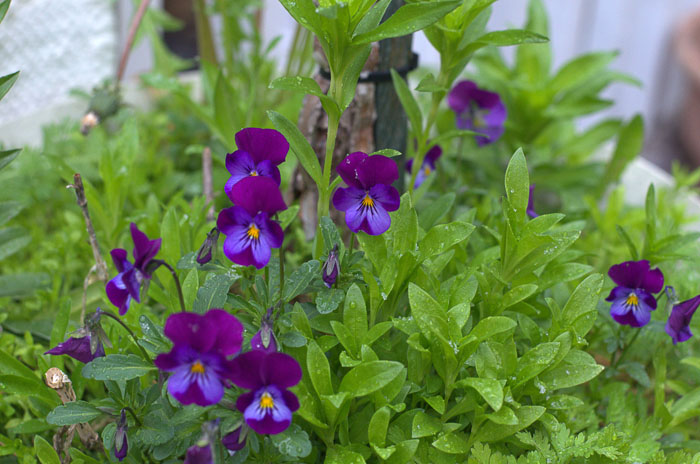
{"x":133,"y":28}
{"x":207,"y":182}
{"x":100,"y":264}
{"x":177,"y":283}
{"x":131,"y":333}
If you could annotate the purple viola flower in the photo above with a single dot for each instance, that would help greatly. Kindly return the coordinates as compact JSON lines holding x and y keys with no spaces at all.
{"x":199,"y":455}
{"x":127,"y":283}
{"x":87,"y":342}
{"x":530,"y":207}
{"x":259,"y":153}
{"x":478,"y":110}
{"x":678,"y":324}
{"x":198,"y":360}
{"x":633,"y":298}
{"x":250,"y":232}
{"x":427,"y":167}
{"x":331,"y":268}
{"x":234,"y":441}
{"x":121,"y":442}
{"x":268,"y":407}
{"x":369,"y":196}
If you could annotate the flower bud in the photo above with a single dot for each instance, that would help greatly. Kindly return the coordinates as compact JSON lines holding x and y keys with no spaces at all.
{"x":264,"y":339}
{"x":204,"y":254}
{"x":235,"y":441}
{"x":121,"y":443}
{"x":331,"y":268}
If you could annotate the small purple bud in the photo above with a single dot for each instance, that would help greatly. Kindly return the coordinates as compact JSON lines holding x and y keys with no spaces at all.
{"x":204,"y":254}
{"x":86,"y":343}
{"x":264,"y":339}
{"x":235,"y":441}
{"x":199,"y":455}
{"x":121,"y":443}
{"x":331,"y":268}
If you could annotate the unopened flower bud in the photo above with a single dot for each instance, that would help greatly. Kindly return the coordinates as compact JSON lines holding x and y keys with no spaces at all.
{"x":331,"y":268}
{"x":264,"y":339}
{"x":235,"y":441}
{"x":121,"y":443}
{"x":205,"y":252}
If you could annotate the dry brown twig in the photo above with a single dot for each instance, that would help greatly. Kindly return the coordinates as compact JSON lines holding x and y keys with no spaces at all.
{"x":130,"y":38}
{"x":58,"y":381}
{"x":100,"y":267}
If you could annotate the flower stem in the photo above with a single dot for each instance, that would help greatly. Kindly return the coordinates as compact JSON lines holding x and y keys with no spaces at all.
{"x":626,"y":349}
{"x":131,"y":333}
{"x":133,"y":414}
{"x":177,"y":284}
{"x":324,"y":188}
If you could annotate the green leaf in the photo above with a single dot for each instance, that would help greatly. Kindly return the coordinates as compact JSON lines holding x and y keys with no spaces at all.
{"x":8,"y":210}
{"x":579,"y":70}
{"x":369,"y":377}
{"x":452,"y":443}
{"x":404,"y":226}
{"x":580,"y":311}
{"x":117,"y":367}
{"x":319,"y":369}
{"x":300,"y":279}
{"x":407,"y":20}
{"x":378,"y":425}
{"x":629,"y":144}
{"x":517,"y":189}
{"x":425,"y":425}
{"x":442,"y":237}
{"x":7,"y":156}
{"x":44,"y":451}
{"x":12,"y":240}
{"x":637,"y":372}
{"x":293,"y":442}
{"x":300,"y":146}
{"x":507,"y":37}
{"x":157,"y":429}
{"x":331,"y":236}
{"x":153,"y":336}
{"x":429,"y":84}
{"x":77,"y":412}
{"x":190,"y":286}
{"x":213,"y":293}
{"x":409,"y":103}
{"x":388,"y":152}
{"x":504,"y":416}
{"x":20,"y":385}
{"x":308,"y":86}
{"x":490,"y":390}
{"x":490,"y":326}
{"x":287,"y":216}
{"x":23,"y":285}
{"x":7,"y":81}
{"x":355,"y":315}
{"x":577,"y":367}
{"x":429,"y":315}
{"x":58,"y":331}
{"x":517,"y":294}
{"x":491,"y":432}
{"x":225,"y":106}
{"x":338,"y":455}
{"x":436,"y":211}
{"x":535,"y":361}
{"x":11,"y":365}
{"x":4,"y":5}
{"x":328,"y":300}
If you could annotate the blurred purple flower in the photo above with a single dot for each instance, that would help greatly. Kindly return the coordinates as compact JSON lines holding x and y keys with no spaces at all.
{"x":530,"y":207}
{"x":678,"y":324}
{"x":427,"y":167}
{"x":268,"y":407}
{"x":127,"y":283}
{"x":121,"y":442}
{"x":331,"y":268}
{"x":86,"y":345}
{"x":198,"y":359}
{"x":234,"y":441}
{"x":369,"y":196}
{"x":199,"y":454}
{"x":633,"y":299}
{"x":250,"y":233}
{"x":259,"y":153}
{"x":478,"y":110}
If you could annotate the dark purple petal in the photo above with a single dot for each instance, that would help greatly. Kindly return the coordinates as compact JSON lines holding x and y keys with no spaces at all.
{"x":199,"y":455}
{"x":121,"y":442}
{"x":387,"y":196}
{"x":118,"y":294}
{"x":122,"y":452}
{"x":256,"y":193}
{"x":491,"y":134}
{"x":257,"y":342}
{"x":636,"y":274}
{"x":347,"y":169}
{"x":244,"y":400}
{"x":191,"y":329}
{"x":269,"y":416}
{"x":433,"y":154}
{"x":237,"y":248}
{"x":144,"y":249}
{"x":281,"y":370}
{"x":229,"y":336}
{"x":377,"y":169}
{"x":331,"y":268}
{"x":263,"y":144}
{"x":120,"y":260}
{"x":409,"y":165}
{"x":230,"y":219}
{"x":291,"y":400}
{"x":246,"y":370}
{"x":233,"y":442}
{"x":678,"y":324}
{"x":77,"y":348}
{"x":268,"y":169}
{"x":530,"y":207}
{"x":461,"y":95}
{"x":203,"y":389}
{"x":270,"y":230}
{"x":653,"y":281}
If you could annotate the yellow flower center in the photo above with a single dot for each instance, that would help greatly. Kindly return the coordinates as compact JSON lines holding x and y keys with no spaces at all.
{"x":253,"y":232}
{"x":266,"y":401}
{"x":254,"y":173}
{"x":367,"y":201}
{"x":632,"y":300}
{"x":197,"y":368}
{"x":428,"y":170}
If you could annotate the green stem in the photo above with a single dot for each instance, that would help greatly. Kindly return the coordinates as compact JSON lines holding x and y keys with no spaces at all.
{"x":626,"y":349}
{"x":133,"y":414}
{"x":205,"y":42}
{"x":324,"y":188}
{"x":131,"y":333}
{"x":177,"y":284}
